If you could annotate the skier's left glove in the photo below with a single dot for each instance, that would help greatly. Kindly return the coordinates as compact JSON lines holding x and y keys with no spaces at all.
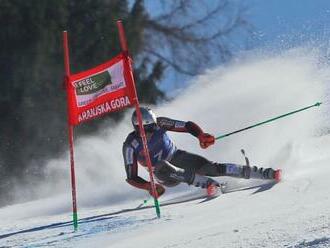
{"x":159,"y":188}
{"x":205,"y":140}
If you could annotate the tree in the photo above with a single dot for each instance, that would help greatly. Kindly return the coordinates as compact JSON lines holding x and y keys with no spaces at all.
{"x":195,"y":33}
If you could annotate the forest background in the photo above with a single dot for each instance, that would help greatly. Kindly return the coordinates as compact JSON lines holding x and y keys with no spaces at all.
{"x":172,"y":38}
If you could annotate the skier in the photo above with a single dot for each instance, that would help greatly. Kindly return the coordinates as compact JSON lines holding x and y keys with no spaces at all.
{"x":171,"y":165}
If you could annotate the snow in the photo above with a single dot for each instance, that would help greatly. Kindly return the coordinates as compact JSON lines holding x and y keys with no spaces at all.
{"x":292,"y":213}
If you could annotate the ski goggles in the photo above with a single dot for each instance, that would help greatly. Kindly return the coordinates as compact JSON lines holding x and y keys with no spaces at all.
{"x":149,"y":128}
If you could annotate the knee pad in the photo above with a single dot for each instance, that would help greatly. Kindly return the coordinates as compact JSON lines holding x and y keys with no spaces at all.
{"x":164,"y":168}
{"x":163,"y":171}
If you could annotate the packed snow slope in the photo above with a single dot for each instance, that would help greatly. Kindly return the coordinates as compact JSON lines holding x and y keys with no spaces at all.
{"x":258,"y":86}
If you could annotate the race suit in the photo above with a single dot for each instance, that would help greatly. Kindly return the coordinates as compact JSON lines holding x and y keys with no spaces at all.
{"x":170,"y":164}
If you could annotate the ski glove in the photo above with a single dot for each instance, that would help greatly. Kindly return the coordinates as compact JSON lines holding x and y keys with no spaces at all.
{"x":159,"y":188}
{"x":205,"y":140}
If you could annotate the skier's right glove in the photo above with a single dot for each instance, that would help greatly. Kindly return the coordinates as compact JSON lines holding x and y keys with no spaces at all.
{"x":205,"y":140}
{"x":159,"y":188}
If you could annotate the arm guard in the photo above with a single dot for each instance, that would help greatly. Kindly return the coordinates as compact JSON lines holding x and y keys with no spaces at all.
{"x":179,"y":126}
{"x":131,"y":168}
{"x":138,"y":182}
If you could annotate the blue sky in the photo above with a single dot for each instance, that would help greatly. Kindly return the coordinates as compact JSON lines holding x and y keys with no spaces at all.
{"x":289,"y":20}
{"x":277,"y":24}
{"x":279,"y":19}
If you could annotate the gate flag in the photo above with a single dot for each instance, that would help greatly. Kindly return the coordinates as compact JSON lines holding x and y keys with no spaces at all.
{"x":100,"y":90}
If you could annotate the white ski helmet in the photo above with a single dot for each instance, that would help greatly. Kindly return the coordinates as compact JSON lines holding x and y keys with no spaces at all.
{"x":149,"y":119}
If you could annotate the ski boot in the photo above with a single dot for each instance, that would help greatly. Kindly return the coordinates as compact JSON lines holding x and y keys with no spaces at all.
{"x":212,"y":190}
{"x":253,"y":172}
{"x":261,"y":173}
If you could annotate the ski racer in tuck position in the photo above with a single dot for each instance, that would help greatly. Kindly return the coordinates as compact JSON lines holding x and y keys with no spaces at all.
{"x":171,"y":165}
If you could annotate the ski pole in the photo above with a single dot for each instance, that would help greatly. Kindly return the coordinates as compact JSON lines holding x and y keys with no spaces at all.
{"x":269,"y":120}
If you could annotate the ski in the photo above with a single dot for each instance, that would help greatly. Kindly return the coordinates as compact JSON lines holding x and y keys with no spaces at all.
{"x":278,"y":175}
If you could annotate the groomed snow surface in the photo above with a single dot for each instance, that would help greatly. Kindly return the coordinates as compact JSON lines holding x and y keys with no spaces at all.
{"x":292,"y":213}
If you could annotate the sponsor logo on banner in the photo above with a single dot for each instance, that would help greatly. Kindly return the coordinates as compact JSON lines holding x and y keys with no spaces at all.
{"x":92,"y":84}
{"x":90,"y":88}
{"x":103,"y":108}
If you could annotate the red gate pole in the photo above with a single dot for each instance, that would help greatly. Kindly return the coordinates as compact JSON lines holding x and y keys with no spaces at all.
{"x":70,"y":133}
{"x":123,"y":44}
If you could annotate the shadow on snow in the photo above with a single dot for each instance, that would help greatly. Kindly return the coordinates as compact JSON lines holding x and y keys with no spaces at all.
{"x":102,"y":217}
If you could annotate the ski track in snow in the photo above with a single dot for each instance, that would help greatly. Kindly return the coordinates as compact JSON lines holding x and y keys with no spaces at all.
{"x":293,"y":213}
